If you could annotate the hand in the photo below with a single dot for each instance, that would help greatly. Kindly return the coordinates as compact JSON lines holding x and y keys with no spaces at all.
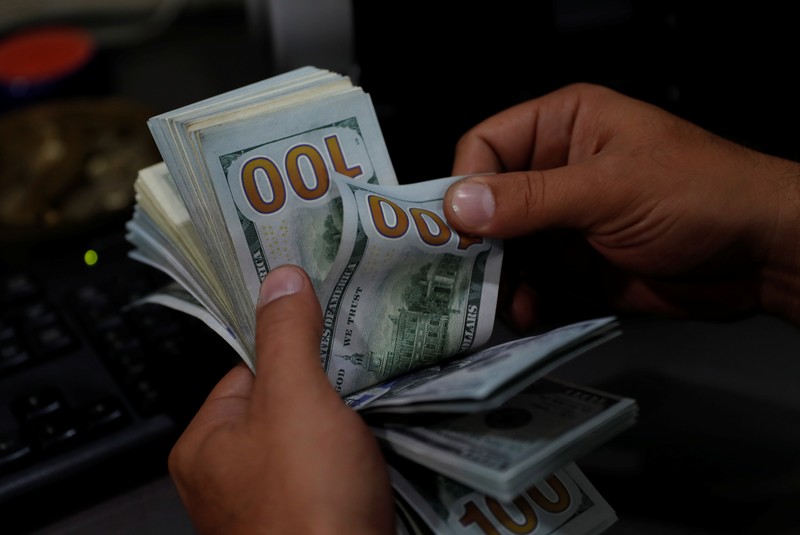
{"x":280,"y":452}
{"x":606,"y":199}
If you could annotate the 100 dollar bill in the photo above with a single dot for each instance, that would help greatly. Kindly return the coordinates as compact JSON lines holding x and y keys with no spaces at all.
{"x":563,"y":502}
{"x":405,"y":289}
{"x":499,"y":451}
{"x":273,"y":180}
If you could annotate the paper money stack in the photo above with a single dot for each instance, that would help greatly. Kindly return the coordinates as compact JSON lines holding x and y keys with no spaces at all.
{"x":294,"y":169}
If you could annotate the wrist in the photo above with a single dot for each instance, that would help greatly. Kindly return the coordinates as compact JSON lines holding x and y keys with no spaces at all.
{"x":780,"y":273}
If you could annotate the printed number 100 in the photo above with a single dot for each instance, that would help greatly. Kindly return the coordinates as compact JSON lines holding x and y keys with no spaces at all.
{"x":474,"y":514}
{"x":261,"y":165}
{"x":421,"y":218}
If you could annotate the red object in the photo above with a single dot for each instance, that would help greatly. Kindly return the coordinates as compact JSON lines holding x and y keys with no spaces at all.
{"x":42,"y":55}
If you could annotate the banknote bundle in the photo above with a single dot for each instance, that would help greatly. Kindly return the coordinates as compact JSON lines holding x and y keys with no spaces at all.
{"x":564,"y":502}
{"x":294,"y":170}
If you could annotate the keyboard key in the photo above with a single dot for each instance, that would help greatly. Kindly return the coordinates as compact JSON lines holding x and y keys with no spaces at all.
{"x":95,"y":308}
{"x":128,"y":366}
{"x":90,"y":294}
{"x":7,"y":331}
{"x":57,"y":429}
{"x":13,"y":450}
{"x":50,"y":339}
{"x":12,"y":355}
{"x":131,"y":285}
{"x":153,"y":321}
{"x":38,"y":313}
{"x":119,"y":339}
{"x":18,"y":288}
{"x":38,"y":404}
{"x":103,"y":415}
{"x":145,"y":396}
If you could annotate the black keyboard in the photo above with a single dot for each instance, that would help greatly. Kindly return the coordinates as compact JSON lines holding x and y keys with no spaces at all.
{"x":92,"y":393}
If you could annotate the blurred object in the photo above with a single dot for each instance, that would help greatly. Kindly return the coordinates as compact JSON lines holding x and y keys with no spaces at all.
{"x":128,"y":30}
{"x":39,"y":62}
{"x":112,"y":23}
{"x":66,"y":166}
{"x":295,"y":33}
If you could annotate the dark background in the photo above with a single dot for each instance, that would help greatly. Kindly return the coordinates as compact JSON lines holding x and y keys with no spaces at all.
{"x":715,"y":449}
{"x":435,"y":73}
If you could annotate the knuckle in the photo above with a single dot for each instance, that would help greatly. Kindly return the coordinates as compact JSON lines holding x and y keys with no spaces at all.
{"x":532,"y":192}
{"x":519,"y":204}
{"x":465,"y":140}
{"x":470,"y":136}
{"x":286,"y":319}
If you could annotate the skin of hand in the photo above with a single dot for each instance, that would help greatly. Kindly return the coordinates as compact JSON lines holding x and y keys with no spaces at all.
{"x":606,"y":199}
{"x":279,"y":451}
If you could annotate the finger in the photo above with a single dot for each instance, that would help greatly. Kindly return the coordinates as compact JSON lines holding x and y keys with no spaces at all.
{"x":237,"y":383}
{"x":542,"y":133}
{"x":516,"y":204}
{"x":509,"y":141}
{"x":520,"y":312}
{"x":228,"y":399}
{"x":288,"y":332}
{"x":227,"y":402}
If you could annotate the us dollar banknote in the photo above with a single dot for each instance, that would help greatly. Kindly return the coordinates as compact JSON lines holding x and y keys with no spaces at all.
{"x":499,"y":451}
{"x":562,"y":502}
{"x":273,"y":181}
{"x":251,"y":169}
{"x":405,"y":289}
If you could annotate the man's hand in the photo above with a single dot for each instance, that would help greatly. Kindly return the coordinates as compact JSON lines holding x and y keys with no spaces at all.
{"x":280,"y":452}
{"x":606,"y":199}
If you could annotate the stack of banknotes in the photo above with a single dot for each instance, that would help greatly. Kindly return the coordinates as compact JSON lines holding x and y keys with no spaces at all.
{"x":294,"y":170}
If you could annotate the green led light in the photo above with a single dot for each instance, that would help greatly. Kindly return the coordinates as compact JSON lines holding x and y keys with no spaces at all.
{"x":90,"y":257}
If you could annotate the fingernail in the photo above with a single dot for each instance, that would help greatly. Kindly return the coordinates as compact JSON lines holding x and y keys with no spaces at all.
{"x":473,"y":204}
{"x":283,"y":281}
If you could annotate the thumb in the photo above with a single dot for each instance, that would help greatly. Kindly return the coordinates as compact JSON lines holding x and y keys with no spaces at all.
{"x":288,"y":332}
{"x":515,"y":204}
